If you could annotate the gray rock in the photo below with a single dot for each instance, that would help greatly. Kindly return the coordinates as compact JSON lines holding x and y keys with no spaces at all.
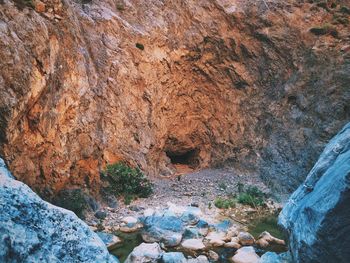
{"x":317,"y":215}
{"x":245,"y":255}
{"x":149,"y":253}
{"x":101,"y":214}
{"x":199,"y":259}
{"x":32,"y":230}
{"x":272,"y":257}
{"x":174,"y":257}
{"x":165,"y":229}
{"x":110,"y":240}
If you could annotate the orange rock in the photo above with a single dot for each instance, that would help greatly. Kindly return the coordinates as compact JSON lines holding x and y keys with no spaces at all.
{"x":40,"y":7}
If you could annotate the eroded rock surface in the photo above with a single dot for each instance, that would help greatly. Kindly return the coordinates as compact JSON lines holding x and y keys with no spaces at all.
{"x":317,"y":216}
{"x":84,"y":83}
{"x":32,"y":230}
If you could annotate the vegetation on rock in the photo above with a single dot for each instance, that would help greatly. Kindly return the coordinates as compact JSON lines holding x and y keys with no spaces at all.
{"x":251,"y":196}
{"x":127,"y":182}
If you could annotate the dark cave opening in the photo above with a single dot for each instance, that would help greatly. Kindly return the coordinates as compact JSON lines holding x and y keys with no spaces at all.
{"x":189,"y":158}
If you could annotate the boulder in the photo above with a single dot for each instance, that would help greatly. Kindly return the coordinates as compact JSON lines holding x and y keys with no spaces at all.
{"x":165,"y":229}
{"x":129,"y":224}
{"x":245,"y":255}
{"x":174,"y":257}
{"x":32,"y":230}
{"x":216,"y":239}
{"x":191,"y":215}
{"x":150,"y":253}
{"x":266,"y":240}
{"x":272,"y":257}
{"x":193,"y":244}
{"x":246,"y":239}
{"x":110,"y":240}
{"x":317,"y":215}
{"x":199,"y":259}
{"x":213,"y":256}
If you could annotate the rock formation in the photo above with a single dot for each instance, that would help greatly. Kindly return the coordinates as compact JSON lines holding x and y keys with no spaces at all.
{"x":317,"y":215}
{"x":32,"y":230}
{"x":159,"y":83}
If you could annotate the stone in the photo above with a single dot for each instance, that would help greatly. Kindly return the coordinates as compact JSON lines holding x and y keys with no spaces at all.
{"x":191,"y":216}
{"x":203,"y":227}
{"x":199,"y":259}
{"x":39,"y":6}
{"x":245,"y":255}
{"x":110,"y":240}
{"x":32,"y":230}
{"x":129,"y":224}
{"x":317,"y":215}
{"x":223,"y":226}
{"x":165,"y":229}
{"x":193,"y":244}
{"x":216,"y":239}
{"x":150,"y":253}
{"x":191,"y":232}
{"x":272,"y":257}
{"x":213,"y":256}
{"x":232,"y":245}
{"x":101,"y":214}
{"x":265,"y":240}
{"x":231,"y":232}
{"x":246,"y":239}
{"x":173,"y":257}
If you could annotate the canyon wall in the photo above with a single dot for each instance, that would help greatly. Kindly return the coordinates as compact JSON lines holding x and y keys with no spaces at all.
{"x":204,"y":83}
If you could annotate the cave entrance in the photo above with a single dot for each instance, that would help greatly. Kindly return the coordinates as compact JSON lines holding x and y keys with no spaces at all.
{"x":187,"y":158}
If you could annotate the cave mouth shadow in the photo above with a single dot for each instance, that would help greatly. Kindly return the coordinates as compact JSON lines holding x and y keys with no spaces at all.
{"x":188,"y":157}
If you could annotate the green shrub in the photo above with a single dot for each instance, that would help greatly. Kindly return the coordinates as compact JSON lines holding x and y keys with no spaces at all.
{"x":345,"y":10}
{"x":252,"y":196}
{"x":126,"y":181}
{"x":24,"y":3}
{"x":325,"y":29}
{"x":225,"y":202}
{"x":222,"y":185}
{"x":140,"y":46}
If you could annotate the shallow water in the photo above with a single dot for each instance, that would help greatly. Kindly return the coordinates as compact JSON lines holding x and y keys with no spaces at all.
{"x":257,"y":226}
{"x":130,"y":241}
{"x":269,"y":224}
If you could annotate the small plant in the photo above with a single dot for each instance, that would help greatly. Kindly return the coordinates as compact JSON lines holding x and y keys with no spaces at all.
{"x":252,"y":196}
{"x":345,"y":10}
{"x":120,"y":7}
{"x":240,"y":187}
{"x":24,"y":3}
{"x":325,"y":29}
{"x":128,"y":199}
{"x":126,"y":181}
{"x":209,"y":205}
{"x":140,"y":46}
{"x":222,"y":185}
{"x":225,"y":203}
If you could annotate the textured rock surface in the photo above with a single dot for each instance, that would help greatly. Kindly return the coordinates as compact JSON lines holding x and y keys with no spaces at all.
{"x":32,"y":230}
{"x":245,"y":255}
{"x":150,"y":253}
{"x":212,"y":81}
{"x":317,"y":215}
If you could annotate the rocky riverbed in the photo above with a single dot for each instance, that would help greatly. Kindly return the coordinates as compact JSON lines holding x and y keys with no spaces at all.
{"x":180,"y":222}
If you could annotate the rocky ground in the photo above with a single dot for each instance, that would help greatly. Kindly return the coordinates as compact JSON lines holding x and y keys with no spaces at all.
{"x":190,"y":196}
{"x":198,"y":189}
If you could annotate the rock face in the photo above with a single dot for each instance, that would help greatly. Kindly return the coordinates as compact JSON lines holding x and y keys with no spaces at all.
{"x":32,"y":230}
{"x":317,"y":216}
{"x":157,"y":83}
